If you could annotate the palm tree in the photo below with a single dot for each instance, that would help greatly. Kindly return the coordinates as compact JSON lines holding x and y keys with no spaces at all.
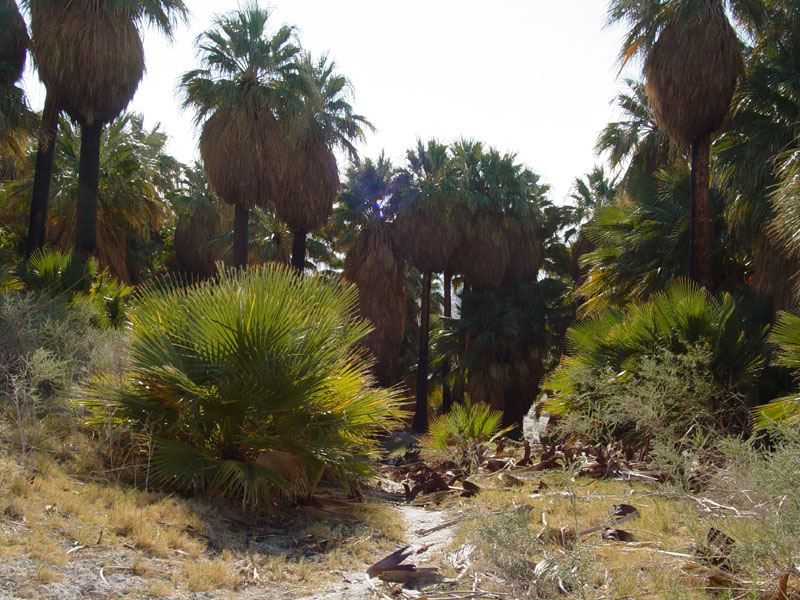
{"x":15,"y":119}
{"x":322,"y":120}
{"x":135,"y":177}
{"x":636,"y":140}
{"x":201,"y":220}
{"x":13,"y":42}
{"x":90,"y":57}
{"x":426,"y":232}
{"x":692,"y":64}
{"x":235,"y":94}
{"x":762,"y":136}
{"x":363,"y":215}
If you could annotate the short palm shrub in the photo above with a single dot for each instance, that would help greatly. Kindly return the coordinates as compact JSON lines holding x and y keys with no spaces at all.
{"x":249,"y":386}
{"x":658,"y":367}
{"x":58,"y":274}
{"x":464,"y":425}
{"x":785,"y":410}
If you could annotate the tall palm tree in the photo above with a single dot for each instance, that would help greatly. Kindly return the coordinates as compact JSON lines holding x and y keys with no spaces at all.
{"x":201,"y":219}
{"x":692,"y":62}
{"x":372,"y":263}
{"x":763,"y":132}
{"x":136,"y":175}
{"x":90,"y":57}
{"x":16,"y":121}
{"x":322,"y":120}
{"x":427,"y":232}
{"x":13,"y":42}
{"x":635,"y":140}
{"x":236,"y":94}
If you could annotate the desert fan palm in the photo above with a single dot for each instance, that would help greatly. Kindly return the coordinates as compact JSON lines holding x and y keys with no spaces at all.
{"x":251,"y":385}
{"x":321,"y":120}
{"x":90,"y":57}
{"x":13,"y":42}
{"x":236,"y":95}
{"x":692,"y":62}
{"x":372,"y":263}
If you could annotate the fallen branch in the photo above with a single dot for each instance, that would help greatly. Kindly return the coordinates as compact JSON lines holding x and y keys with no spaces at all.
{"x":445,"y":525}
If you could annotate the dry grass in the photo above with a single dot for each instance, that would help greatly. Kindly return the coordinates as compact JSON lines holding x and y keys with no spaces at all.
{"x":590,"y":567}
{"x":63,"y":522}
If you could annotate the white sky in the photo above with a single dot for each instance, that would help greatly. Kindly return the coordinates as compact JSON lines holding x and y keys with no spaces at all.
{"x":535,"y":77}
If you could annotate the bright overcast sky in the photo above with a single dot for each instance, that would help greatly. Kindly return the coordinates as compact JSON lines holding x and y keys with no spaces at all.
{"x":535,"y":77}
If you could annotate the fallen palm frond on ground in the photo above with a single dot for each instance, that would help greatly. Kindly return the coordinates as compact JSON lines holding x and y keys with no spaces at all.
{"x":576,"y":520}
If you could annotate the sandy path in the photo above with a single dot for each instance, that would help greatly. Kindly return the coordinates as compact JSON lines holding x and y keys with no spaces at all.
{"x":353,"y":584}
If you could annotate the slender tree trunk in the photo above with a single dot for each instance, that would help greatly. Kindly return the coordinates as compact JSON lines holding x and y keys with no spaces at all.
{"x":700,"y":227}
{"x":241,"y":219}
{"x":421,"y":412}
{"x":299,"y":251}
{"x":88,"y":177}
{"x":461,"y":384}
{"x":447,"y":395}
{"x":37,"y":227}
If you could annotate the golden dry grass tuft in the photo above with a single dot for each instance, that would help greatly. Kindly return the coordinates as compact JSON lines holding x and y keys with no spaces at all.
{"x":62,"y":520}
{"x":508,"y":521}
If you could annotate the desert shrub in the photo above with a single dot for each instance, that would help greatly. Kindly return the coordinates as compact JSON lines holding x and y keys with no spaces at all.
{"x":532,"y":568}
{"x":463,"y":426}
{"x":250,"y":386}
{"x":47,"y":347}
{"x":663,"y":395}
{"x":661,"y":367}
{"x":761,"y":483}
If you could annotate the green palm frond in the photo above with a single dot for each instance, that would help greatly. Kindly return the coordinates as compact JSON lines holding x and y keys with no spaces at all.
{"x":256,"y":363}
{"x":682,"y":317}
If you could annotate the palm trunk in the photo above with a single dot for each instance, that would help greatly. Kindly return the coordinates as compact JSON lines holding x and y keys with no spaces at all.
{"x":241,"y":219}
{"x":37,"y":227}
{"x":299,"y":251}
{"x":700,"y":227}
{"x":461,"y":383}
{"x":447,"y":396}
{"x":421,"y":412}
{"x":88,"y":177}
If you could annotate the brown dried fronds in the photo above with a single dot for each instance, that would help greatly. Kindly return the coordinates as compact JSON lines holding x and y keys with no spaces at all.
{"x":195,"y":251}
{"x":526,"y":253}
{"x":13,"y":42}
{"x":692,"y":73}
{"x":484,"y":252}
{"x":375,"y":269}
{"x":427,"y":236}
{"x":91,"y":61}
{"x":308,"y":187}
{"x":243,"y":150}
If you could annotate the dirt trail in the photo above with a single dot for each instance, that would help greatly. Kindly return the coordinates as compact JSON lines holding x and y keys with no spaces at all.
{"x":353,"y":584}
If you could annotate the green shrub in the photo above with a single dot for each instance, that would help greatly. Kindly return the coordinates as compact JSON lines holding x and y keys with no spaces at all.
{"x":786,"y":410}
{"x":464,"y":425}
{"x":762,"y":484}
{"x":55,"y":273}
{"x":47,"y":346}
{"x":660,"y":367}
{"x":251,"y":386}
